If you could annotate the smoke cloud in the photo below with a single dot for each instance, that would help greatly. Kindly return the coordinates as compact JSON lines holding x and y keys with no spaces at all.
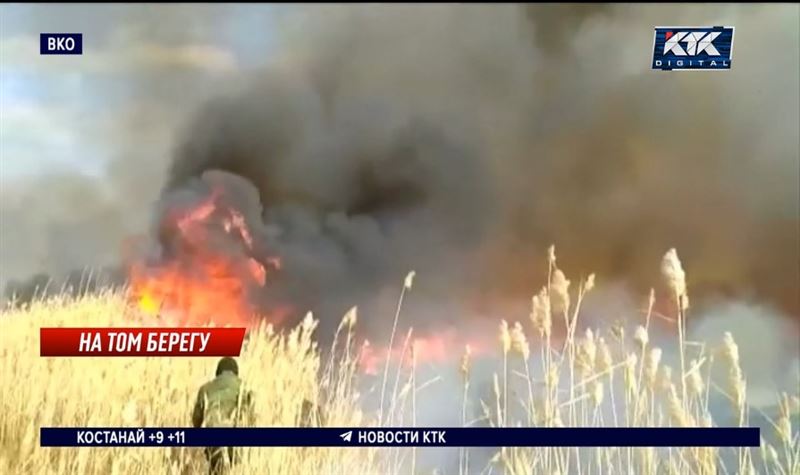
{"x":460,"y":141}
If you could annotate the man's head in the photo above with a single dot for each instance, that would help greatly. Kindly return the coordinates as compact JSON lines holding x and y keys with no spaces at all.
{"x":227,"y":364}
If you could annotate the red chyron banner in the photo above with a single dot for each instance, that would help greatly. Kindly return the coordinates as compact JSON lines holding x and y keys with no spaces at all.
{"x":141,"y":341}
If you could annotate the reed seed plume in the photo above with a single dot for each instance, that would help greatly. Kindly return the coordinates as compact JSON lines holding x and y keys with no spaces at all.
{"x":736,"y":383}
{"x":560,"y":292}
{"x":695,"y":381}
{"x":631,"y":383}
{"x":673,"y":273}
{"x":651,"y":365}
{"x":540,"y":315}
{"x":466,"y":362}
{"x":605,"y":361}
{"x":519,"y":342}
{"x":505,"y":337}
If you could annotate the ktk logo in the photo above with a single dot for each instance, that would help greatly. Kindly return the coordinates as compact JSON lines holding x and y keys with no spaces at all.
{"x":704,"y":48}
{"x":696,"y":42}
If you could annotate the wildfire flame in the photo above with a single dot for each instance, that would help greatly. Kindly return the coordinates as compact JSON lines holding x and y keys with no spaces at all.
{"x":207,"y":274}
{"x":441,"y":347}
{"x":201,"y":280}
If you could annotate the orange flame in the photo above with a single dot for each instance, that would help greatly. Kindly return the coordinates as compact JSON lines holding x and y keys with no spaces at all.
{"x":199,"y":283}
{"x":201,"y":280}
{"x":442,"y":347}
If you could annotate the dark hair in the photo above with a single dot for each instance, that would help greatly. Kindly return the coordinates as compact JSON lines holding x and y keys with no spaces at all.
{"x":227,"y":364}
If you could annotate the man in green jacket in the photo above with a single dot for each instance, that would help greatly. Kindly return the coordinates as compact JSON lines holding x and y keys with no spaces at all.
{"x":222,"y":402}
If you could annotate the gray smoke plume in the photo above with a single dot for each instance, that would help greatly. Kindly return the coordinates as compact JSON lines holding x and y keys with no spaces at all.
{"x":460,"y":141}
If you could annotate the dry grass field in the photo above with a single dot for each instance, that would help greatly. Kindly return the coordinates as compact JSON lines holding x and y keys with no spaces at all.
{"x":610,"y":376}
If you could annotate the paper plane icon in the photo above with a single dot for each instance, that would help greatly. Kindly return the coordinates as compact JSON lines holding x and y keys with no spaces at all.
{"x":347,"y":436}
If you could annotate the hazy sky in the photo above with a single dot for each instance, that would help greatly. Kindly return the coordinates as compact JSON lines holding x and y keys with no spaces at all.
{"x":55,"y":109}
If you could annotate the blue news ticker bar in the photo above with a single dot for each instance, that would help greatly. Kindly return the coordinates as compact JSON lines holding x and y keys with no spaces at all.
{"x":386,"y":437}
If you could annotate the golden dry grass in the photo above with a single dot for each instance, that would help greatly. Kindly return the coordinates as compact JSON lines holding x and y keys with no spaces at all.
{"x":611,"y":376}
{"x":281,"y":369}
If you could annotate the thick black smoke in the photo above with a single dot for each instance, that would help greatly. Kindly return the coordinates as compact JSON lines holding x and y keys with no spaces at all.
{"x":460,"y":141}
